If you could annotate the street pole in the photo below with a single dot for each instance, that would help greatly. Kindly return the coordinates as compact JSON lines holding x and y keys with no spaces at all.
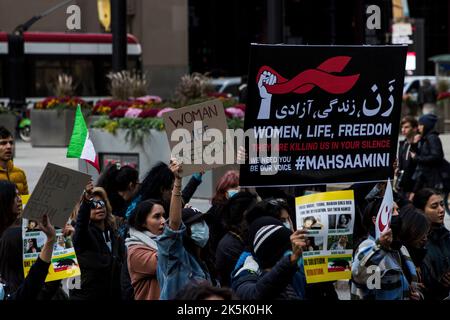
{"x":274,"y":21}
{"x":16,"y":79}
{"x":119,"y":34}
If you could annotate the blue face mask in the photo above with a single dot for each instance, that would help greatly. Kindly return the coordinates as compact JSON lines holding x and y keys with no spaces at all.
{"x":287,"y":225}
{"x":2,"y":292}
{"x":232,"y":193}
{"x":200,"y":233}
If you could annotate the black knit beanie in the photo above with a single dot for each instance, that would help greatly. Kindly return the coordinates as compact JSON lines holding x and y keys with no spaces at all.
{"x":270,"y":239}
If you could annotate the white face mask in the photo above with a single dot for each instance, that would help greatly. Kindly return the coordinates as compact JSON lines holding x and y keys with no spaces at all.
{"x":200,"y":233}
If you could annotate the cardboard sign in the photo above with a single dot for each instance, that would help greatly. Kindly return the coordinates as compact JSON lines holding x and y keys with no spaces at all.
{"x":56,"y":193}
{"x":336,"y":116}
{"x":197,"y":135}
{"x":329,"y":218}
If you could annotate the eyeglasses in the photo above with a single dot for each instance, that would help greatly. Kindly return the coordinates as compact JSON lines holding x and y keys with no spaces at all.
{"x":97,"y":204}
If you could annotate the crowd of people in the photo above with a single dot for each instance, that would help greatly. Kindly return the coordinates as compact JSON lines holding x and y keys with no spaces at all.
{"x":142,"y":240}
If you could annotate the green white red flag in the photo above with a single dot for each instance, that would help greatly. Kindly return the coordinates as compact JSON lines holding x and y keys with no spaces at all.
{"x":80,"y":145}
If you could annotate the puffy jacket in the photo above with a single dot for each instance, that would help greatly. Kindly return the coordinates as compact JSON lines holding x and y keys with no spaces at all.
{"x":284,"y":281}
{"x":15,"y":175}
{"x":436,"y":263}
{"x":429,"y":158}
{"x":395,"y":267}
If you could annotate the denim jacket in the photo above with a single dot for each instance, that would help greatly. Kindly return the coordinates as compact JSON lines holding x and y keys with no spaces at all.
{"x":176,"y":267}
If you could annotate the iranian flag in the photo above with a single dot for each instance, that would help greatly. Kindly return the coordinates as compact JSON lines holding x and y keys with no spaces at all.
{"x":81,"y":146}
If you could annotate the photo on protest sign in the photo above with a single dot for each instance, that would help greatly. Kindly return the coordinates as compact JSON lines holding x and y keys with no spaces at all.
{"x":312,"y":222}
{"x":322,"y":114}
{"x":197,"y":135}
{"x":340,"y":242}
{"x":340,"y":221}
{"x":56,"y":193}
{"x":328,"y":217}
{"x":314,"y":243}
{"x":64,"y":263}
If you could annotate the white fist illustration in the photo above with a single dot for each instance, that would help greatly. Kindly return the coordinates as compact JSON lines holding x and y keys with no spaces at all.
{"x":270,"y":79}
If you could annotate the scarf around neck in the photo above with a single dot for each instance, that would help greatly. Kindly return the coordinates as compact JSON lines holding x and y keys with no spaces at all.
{"x":142,"y":238}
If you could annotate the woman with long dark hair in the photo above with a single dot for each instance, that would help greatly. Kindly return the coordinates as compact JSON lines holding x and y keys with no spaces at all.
{"x":12,"y":285}
{"x":436,"y":264}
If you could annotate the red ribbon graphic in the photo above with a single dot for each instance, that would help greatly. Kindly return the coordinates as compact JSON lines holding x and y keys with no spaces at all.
{"x":306,"y":80}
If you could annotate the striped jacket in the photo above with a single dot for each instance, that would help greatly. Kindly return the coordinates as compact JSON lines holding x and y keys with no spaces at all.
{"x":394,"y":268}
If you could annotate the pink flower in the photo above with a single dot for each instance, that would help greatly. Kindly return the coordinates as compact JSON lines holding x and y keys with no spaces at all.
{"x":133,"y":113}
{"x":167,"y":109}
{"x":233,"y":112}
{"x":149,"y":99}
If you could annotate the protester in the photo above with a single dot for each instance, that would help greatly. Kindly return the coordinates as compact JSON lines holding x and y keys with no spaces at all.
{"x":33,"y":283}
{"x":398,"y":277}
{"x":406,"y":165}
{"x":429,"y":156}
{"x":270,"y":270}
{"x":12,"y":283}
{"x":226,"y":188}
{"x":180,"y":245}
{"x":145,"y":226}
{"x":233,"y":242}
{"x":436,"y":264}
{"x":7,"y":169}
{"x":413,"y":235}
{"x":158,"y":185}
{"x":121,"y":184}
{"x":277,"y":208}
{"x":99,"y":249}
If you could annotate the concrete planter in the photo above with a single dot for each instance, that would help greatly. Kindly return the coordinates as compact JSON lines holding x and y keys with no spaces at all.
{"x":154,"y":149}
{"x":51,"y":128}
{"x":91,"y":120}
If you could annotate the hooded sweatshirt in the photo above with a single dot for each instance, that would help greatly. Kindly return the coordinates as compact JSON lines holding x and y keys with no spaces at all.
{"x":142,"y":264}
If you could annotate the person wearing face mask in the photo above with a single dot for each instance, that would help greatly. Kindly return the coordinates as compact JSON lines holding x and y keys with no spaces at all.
{"x":397,"y":273}
{"x":146,"y":225}
{"x":413,"y":235}
{"x":436,"y":264}
{"x":181,"y":244}
{"x":227,"y":187}
{"x":272,"y":268}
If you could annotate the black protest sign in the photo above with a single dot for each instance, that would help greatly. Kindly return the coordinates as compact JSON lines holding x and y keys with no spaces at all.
{"x":322,"y":114}
{"x":56,"y":194}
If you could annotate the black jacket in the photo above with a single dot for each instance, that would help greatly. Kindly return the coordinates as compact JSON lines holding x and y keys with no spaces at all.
{"x":436,"y":263}
{"x":11,"y":268}
{"x":100,"y":267}
{"x":31,"y":287}
{"x":227,"y":254}
{"x":429,"y":158}
{"x":273,"y":284}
